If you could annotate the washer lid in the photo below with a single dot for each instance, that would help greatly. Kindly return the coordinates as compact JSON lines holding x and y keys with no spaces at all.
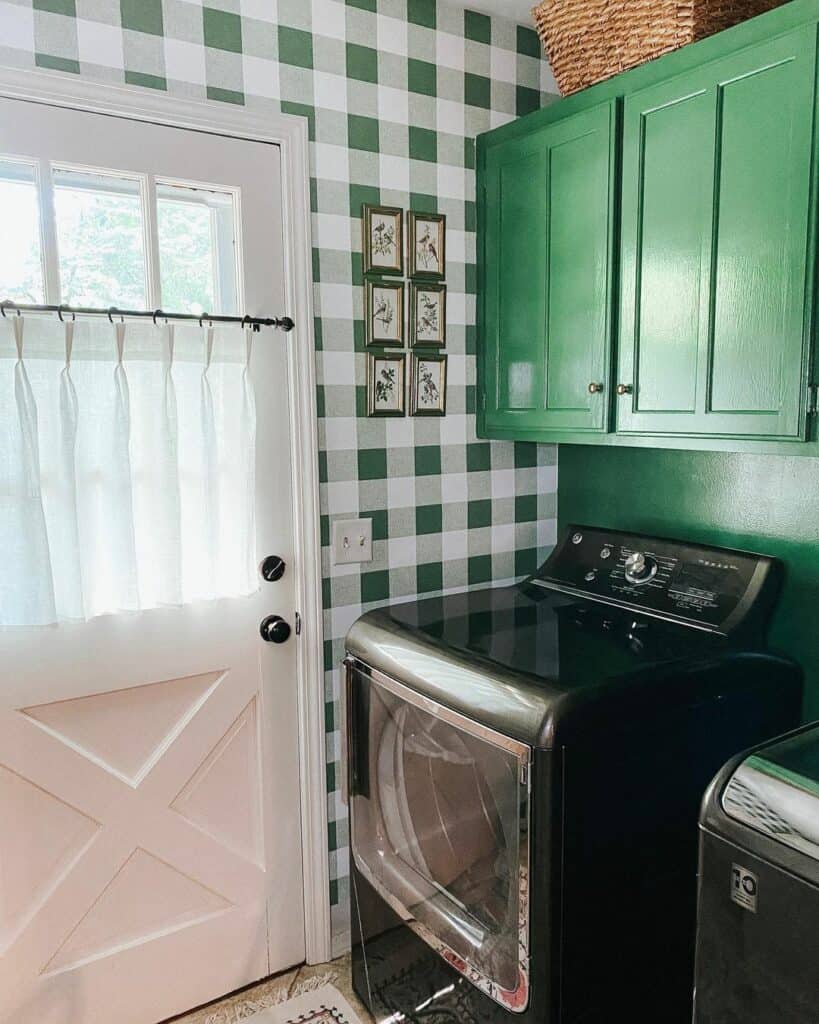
{"x":776,"y":791}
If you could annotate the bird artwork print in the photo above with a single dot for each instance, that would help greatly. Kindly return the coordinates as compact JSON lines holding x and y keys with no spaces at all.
{"x":428,"y":323}
{"x":384,"y":313}
{"x":385,"y":385}
{"x":427,"y":247}
{"x":383,"y":238}
{"x":430,"y":394}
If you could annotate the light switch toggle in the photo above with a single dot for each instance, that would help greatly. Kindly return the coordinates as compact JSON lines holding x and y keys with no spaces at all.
{"x":352,"y":541}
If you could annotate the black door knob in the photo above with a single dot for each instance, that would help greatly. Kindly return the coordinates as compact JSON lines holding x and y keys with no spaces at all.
{"x":272,"y":568}
{"x":274,"y":629}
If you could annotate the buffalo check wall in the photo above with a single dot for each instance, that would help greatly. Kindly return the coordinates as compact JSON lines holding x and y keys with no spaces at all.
{"x":395,"y":92}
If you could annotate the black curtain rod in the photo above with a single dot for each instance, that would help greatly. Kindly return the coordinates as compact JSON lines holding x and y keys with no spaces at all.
{"x":283,"y":323}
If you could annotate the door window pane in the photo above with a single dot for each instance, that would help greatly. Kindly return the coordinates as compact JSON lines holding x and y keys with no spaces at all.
{"x":21,"y":259}
{"x":100,"y":239}
{"x":197,"y":249}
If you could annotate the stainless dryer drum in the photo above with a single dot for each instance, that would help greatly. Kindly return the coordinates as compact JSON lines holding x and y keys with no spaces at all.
{"x":439,"y":809}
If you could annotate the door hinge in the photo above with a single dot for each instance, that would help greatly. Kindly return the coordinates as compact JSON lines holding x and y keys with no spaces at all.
{"x":298,"y":623}
{"x":813,"y":391}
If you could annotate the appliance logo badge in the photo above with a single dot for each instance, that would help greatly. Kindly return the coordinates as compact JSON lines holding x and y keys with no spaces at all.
{"x":744,"y":887}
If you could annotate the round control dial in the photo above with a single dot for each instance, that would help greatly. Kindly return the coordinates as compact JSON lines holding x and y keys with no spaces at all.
{"x":640,"y":568}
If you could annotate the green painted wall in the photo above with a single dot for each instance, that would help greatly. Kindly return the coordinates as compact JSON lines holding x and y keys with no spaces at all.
{"x":761,"y":502}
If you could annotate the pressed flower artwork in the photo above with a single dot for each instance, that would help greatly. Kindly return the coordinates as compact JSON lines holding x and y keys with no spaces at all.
{"x":427,"y":245}
{"x":384,"y":312}
{"x":428,"y":388}
{"x":428,"y":314}
{"x":386,"y":384}
{"x":383,"y":240}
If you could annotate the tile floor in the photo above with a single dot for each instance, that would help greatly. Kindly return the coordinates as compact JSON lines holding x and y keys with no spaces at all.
{"x":275,"y":990}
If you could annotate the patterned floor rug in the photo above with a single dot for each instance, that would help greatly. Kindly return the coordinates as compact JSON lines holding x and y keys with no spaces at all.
{"x":325,"y":1005}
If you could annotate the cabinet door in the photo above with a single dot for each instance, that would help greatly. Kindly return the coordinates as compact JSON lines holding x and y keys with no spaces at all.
{"x":716,"y":211}
{"x":546,"y":251}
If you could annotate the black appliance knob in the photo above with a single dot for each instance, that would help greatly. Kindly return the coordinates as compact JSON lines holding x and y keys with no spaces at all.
{"x":274,"y":629}
{"x":272,"y":568}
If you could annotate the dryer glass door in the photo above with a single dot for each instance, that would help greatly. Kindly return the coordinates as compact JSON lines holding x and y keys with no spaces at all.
{"x":440,"y":809}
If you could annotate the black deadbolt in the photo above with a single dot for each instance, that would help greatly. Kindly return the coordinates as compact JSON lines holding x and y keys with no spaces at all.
{"x":272,"y":568}
{"x":274,"y":629}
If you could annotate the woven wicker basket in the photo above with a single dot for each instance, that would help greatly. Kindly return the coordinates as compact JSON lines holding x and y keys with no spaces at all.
{"x":590,"y":40}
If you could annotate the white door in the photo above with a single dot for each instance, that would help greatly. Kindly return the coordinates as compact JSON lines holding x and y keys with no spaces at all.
{"x":150,"y":848}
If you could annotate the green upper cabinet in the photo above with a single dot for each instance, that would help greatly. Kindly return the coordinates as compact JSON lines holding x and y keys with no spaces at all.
{"x":546,"y":203}
{"x":716,"y":279}
{"x":655,"y":237}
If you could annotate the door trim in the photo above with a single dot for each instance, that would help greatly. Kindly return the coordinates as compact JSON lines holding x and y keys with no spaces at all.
{"x":290,"y":134}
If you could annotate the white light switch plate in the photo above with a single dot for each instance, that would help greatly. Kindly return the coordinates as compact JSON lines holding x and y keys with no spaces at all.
{"x":352,"y":541}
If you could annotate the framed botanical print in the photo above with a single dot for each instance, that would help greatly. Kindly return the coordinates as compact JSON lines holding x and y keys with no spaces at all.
{"x":427,"y":314}
{"x":428,"y":385}
{"x":384,"y":312}
{"x":383,"y":240}
{"x":386,"y":384}
{"x":427,"y":246}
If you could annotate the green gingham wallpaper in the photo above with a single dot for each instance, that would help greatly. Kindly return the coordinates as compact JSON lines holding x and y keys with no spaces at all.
{"x":395,"y":92}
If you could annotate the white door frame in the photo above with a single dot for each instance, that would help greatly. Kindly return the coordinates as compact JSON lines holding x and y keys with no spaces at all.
{"x":290,"y":134}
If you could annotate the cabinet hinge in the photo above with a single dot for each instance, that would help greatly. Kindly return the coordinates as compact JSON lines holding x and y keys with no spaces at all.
{"x":813,"y":392}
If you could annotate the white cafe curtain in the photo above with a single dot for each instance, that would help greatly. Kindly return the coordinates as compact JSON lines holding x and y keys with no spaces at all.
{"x":127,"y":461}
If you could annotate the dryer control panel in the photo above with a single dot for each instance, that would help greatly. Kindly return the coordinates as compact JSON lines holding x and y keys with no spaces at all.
{"x":717,"y":589}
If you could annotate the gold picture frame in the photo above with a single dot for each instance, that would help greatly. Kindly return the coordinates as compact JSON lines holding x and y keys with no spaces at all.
{"x":386,"y":384}
{"x":427,"y":314}
{"x":384,"y":313}
{"x":428,"y":385}
{"x":382,"y":240}
{"x":427,"y":246}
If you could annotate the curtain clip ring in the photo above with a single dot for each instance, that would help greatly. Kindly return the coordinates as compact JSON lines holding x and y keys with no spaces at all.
{"x":8,"y":304}
{"x":66,"y":309}
{"x":205,"y":316}
{"x":113,"y":310}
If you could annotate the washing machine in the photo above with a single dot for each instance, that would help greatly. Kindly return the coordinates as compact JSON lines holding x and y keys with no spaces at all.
{"x":758,"y":910}
{"x":525,"y":770}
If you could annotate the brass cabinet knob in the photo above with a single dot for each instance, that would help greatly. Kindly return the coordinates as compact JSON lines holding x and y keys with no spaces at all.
{"x":624,"y":389}
{"x":595,"y":389}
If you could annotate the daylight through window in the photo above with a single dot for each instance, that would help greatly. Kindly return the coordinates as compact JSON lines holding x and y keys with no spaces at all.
{"x":95,"y":237}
